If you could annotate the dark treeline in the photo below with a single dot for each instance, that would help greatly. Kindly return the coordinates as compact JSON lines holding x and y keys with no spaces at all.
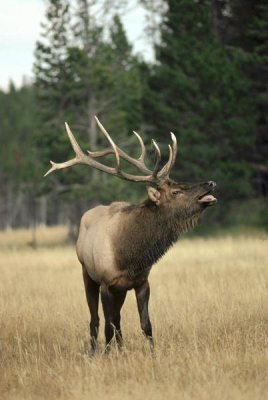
{"x":207,"y":84}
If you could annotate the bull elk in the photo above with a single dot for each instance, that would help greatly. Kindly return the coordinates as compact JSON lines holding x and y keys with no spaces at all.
{"x":118,"y":244}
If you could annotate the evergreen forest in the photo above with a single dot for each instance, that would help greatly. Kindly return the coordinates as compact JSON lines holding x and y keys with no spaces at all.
{"x":207,"y":83}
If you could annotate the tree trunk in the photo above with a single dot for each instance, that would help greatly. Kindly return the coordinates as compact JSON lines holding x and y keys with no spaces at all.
{"x":42,"y":220}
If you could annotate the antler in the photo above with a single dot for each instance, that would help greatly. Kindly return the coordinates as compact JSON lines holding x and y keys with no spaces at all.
{"x":155,"y":176}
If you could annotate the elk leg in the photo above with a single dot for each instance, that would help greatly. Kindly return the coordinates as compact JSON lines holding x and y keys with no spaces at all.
{"x":108,"y":304}
{"x":92,"y":294}
{"x":142,"y":295}
{"x":119,"y":298}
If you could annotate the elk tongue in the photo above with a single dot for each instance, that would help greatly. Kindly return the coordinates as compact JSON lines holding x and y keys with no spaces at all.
{"x":208,"y":198}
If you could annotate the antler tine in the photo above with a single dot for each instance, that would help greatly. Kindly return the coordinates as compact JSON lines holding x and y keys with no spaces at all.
{"x":165,"y":171}
{"x":158,"y":158}
{"x":75,"y":145}
{"x":106,"y":134}
{"x":143,"y":150}
{"x":175,"y":149}
{"x":66,"y":164}
{"x":77,"y":149}
{"x":53,"y":168}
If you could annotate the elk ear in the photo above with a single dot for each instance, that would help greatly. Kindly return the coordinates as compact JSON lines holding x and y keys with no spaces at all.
{"x":154,"y":195}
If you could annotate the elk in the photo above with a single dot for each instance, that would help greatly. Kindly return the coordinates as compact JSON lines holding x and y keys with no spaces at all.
{"x":118,"y":244}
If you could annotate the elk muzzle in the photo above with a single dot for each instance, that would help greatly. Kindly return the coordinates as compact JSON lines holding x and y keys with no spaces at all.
{"x":207,"y":199}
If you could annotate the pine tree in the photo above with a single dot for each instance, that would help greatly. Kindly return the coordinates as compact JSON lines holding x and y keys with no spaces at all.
{"x":108,"y":77}
{"x":51,"y":78}
{"x":199,"y":92}
{"x":258,"y":34}
{"x":243,"y":27}
{"x":126,"y":81}
{"x":248,"y":23}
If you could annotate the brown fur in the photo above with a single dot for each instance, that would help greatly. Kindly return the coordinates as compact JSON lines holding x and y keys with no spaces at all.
{"x":147,"y":232}
{"x":118,"y":245}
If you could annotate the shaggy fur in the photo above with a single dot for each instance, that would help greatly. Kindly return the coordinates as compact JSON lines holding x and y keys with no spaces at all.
{"x":148,"y":233}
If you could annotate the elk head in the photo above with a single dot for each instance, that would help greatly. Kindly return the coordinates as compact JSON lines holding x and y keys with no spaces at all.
{"x":162,"y":191}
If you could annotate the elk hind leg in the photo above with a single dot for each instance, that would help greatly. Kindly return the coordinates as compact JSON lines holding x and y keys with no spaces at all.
{"x":92,"y":290}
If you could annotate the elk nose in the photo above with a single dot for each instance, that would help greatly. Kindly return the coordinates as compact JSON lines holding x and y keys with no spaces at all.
{"x":212,"y":184}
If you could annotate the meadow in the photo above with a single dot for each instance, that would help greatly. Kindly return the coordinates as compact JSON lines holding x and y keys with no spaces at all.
{"x":208,"y":308}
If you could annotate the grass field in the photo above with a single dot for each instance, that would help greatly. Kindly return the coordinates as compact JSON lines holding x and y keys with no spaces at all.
{"x":208,"y":308}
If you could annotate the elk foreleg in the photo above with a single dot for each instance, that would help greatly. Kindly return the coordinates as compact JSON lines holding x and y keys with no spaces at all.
{"x":108,"y":305}
{"x":92,"y":294}
{"x":112,"y":302}
{"x":143,"y":295}
{"x":119,"y":298}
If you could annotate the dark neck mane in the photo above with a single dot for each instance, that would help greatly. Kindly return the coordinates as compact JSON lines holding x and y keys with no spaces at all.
{"x":147,"y":233}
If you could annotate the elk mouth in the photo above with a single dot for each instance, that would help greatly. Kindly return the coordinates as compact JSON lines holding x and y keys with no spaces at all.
{"x":207,"y":199}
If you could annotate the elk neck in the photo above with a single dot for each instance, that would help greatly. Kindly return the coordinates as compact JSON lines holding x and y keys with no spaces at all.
{"x":147,"y":231}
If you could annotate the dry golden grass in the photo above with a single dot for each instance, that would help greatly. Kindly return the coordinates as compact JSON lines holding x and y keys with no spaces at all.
{"x":208,"y":308}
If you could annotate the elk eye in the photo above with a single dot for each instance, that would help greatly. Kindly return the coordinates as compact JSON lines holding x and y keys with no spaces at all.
{"x":176,"y":192}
